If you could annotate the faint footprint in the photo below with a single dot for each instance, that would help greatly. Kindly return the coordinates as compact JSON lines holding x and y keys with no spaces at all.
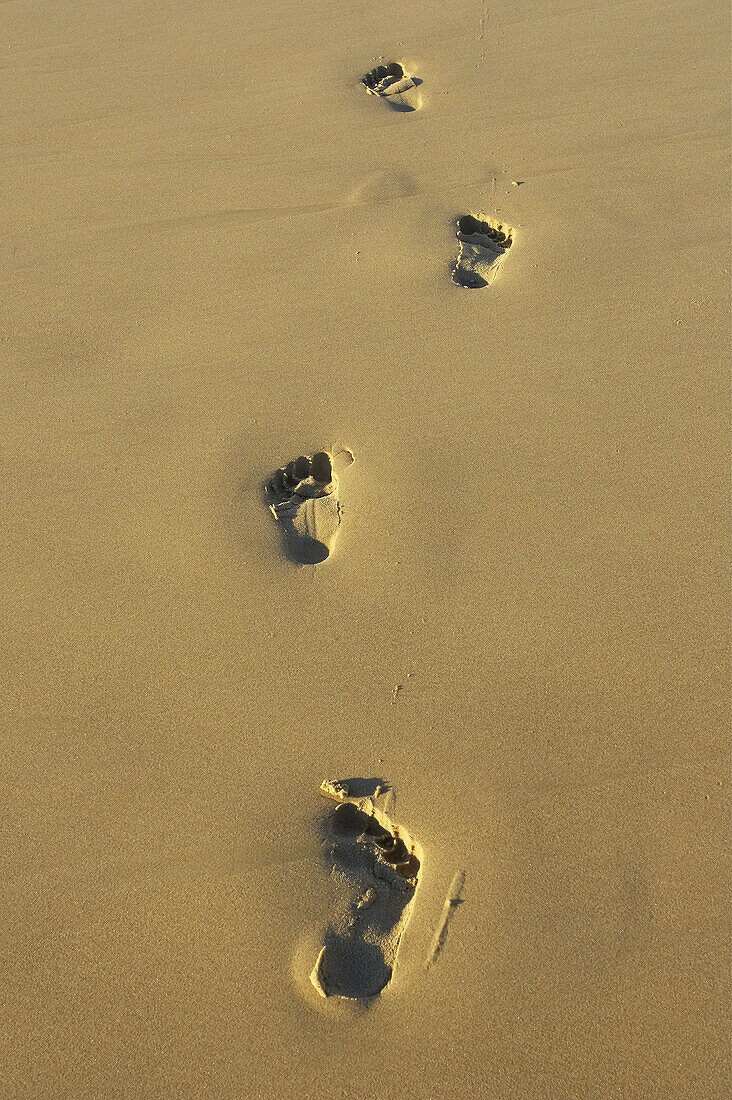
{"x":381,"y":865}
{"x":303,"y":497}
{"x":398,"y":90}
{"x":483,"y":245}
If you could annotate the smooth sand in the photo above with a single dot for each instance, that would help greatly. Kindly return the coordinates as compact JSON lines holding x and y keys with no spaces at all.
{"x":219,"y":253}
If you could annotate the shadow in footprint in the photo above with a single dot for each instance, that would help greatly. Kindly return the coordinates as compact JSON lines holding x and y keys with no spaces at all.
{"x":300,"y":547}
{"x":352,"y":967}
{"x":359,"y":787}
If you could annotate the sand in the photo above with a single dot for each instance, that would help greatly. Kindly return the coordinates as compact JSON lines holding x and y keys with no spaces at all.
{"x":220,"y":253}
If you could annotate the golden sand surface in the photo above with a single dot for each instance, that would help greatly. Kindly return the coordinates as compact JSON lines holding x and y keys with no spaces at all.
{"x":221,"y":252}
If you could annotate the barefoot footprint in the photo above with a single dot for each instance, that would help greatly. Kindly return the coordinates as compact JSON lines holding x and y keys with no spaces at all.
{"x":303,"y":497}
{"x":483,"y":246}
{"x":381,"y":864}
{"x":392,"y":84}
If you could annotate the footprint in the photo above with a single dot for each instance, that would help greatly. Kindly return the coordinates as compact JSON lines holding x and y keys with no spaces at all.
{"x":483,"y":245}
{"x":303,"y":497}
{"x":398,"y":90}
{"x":380,"y":864}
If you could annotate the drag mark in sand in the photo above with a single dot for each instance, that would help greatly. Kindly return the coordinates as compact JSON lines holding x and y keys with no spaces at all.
{"x":453,"y":899}
{"x":484,"y":18}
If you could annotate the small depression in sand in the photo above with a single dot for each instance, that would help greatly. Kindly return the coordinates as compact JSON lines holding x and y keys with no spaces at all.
{"x":381,"y":864}
{"x":482,"y":250}
{"x":303,"y":498}
{"x":394,"y":85}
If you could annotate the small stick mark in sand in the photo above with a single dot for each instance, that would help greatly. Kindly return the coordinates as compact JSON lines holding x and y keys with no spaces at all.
{"x":453,"y":899}
{"x":398,"y":688}
{"x":381,"y":864}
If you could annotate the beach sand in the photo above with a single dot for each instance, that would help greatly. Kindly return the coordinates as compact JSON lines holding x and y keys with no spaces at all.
{"x":221,"y":253}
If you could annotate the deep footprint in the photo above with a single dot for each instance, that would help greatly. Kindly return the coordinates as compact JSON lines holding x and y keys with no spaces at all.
{"x":483,"y":247}
{"x":381,"y":864}
{"x":303,"y":498}
{"x":397,"y":88}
